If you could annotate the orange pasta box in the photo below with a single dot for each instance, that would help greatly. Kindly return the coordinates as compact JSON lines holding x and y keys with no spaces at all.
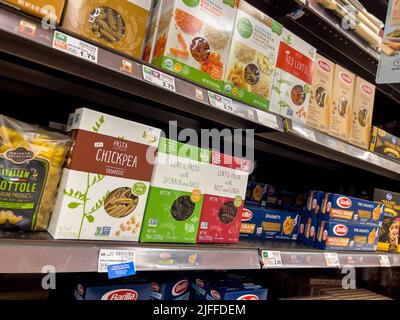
{"x":192,"y":38}
{"x":343,"y":93}
{"x":361,"y":115}
{"x":321,"y":94}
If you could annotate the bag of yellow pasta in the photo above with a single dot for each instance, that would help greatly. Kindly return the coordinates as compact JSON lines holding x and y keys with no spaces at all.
{"x":31,"y":160}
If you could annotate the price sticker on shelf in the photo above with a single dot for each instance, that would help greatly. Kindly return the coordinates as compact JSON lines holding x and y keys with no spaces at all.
{"x":271,"y":259}
{"x":267,"y":119}
{"x":109,"y":257}
{"x":158,"y":78}
{"x":75,"y":47}
{"x":384,"y":260}
{"x":332,"y":260}
{"x":220,"y":102}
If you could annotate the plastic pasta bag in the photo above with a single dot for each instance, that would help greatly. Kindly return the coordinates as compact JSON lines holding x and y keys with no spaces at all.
{"x":31,"y":161}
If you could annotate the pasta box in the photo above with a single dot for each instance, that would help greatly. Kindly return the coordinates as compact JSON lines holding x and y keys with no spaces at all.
{"x":118,"y":24}
{"x":390,"y":231}
{"x":192,"y":38}
{"x":318,"y":115}
{"x":239,"y":291}
{"x":104,"y":187}
{"x":346,"y":209}
{"x":291,"y":88}
{"x":314,"y":202}
{"x":223,"y":199}
{"x":261,"y":194}
{"x":385,"y":144}
{"x":176,"y":194}
{"x":260,"y":223}
{"x":252,"y":57}
{"x":308,"y":226}
{"x":346,"y":236}
{"x":170,"y":289}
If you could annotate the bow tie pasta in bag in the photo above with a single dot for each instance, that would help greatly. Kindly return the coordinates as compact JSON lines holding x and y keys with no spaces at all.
{"x":31,"y":160}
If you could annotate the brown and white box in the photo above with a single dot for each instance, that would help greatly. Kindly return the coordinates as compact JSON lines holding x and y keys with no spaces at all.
{"x":361,"y":116}
{"x":321,"y":94}
{"x":343,"y":92}
{"x":104,"y":187}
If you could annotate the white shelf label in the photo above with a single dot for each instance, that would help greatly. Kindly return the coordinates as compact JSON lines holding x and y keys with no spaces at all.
{"x":267,"y":119}
{"x":110,"y":257}
{"x":220,"y":102}
{"x":75,"y":47}
{"x":158,"y":78}
{"x":310,"y":135}
{"x":332,"y":259}
{"x":384,"y":260}
{"x":271,"y":259}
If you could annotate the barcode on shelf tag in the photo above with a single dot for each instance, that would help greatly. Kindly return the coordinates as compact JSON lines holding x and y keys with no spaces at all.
{"x":110,"y":257}
{"x":75,"y":47}
{"x":384,"y":260}
{"x":267,"y":119}
{"x":220,"y":102}
{"x":332,"y":259}
{"x":271,"y":259}
{"x":158,"y":78}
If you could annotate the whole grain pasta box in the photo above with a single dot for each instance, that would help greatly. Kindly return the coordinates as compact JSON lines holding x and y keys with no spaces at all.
{"x":51,"y":10}
{"x":342,"y":103}
{"x":321,"y":94}
{"x":223,"y":199}
{"x":291,"y":88}
{"x":104,"y":188}
{"x":361,"y":115}
{"x":176,"y":194}
{"x":118,"y":24}
{"x":193,"y":38}
{"x":252,"y":57}
{"x":31,"y":159}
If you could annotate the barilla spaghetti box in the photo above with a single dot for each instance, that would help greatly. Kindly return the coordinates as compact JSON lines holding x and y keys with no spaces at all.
{"x":176,"y":194}
{"x":104,"y":187}
{"x":346,"y":209}
{"x":314,"y":202}
{"x":239,"y":291}
{"x":170,"y":289}
{"x":121,"y":291}
{"x":261,"y":194}
{"x":260,"y":223}
{"x":341,"y":236}
{"x":223,"y":199}
{"x":291,"y":89}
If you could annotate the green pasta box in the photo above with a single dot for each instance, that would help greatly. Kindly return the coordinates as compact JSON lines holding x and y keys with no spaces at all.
{"x":176,"y":194}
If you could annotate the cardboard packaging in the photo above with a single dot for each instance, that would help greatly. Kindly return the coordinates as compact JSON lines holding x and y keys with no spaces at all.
{"x":50,"y":10}
{"x":120,"y":25}
{"x":252,"y":57}
{"x":223,"y":199}
{"x":104,"y":187}
{"x":361,"y":115}
{"x":192,"y":38}
{"x":261,"y":194}
{"x":293,"y":77}
{"x":176,"y":194}
{"x":390,"y":231}
{"x":342,"y":103}
{"x":170,"y":289}
{"x":260,"y":223}
{"x":346,"y":209}
{"x":239,"y":291}
{"x":385,"y":144}
{"x":346,"y":236}
{"x":318,"y":115}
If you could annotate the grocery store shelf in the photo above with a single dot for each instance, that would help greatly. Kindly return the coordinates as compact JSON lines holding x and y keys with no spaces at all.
{"x":31,"y":252}
{"x":314,"y":141}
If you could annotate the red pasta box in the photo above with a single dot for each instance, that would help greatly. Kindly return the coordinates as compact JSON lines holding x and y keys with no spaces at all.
{"x":223,"y":199}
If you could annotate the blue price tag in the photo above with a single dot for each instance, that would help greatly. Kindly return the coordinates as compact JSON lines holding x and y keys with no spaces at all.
{"x":121,"y":270}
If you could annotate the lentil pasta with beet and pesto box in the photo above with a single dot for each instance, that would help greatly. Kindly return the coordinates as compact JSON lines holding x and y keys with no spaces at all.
{"x":31,"y":160}
{"x":104,"y":188}
{"x":192,"y":38}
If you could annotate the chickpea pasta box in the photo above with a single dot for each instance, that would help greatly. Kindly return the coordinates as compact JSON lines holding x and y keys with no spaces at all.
{"x":104,"y":187}
{"x":176,"y":194}
{"x":223,"y":199}
{"x":192,"y":38}
{"x":252,"y":57}
{"x":291,"y":88}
